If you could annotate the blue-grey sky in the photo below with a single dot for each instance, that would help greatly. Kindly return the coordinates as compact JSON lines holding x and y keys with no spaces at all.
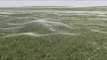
{"x":53,"y":0}
{"x":52,"y":3}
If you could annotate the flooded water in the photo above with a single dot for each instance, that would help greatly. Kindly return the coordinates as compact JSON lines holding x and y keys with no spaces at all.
{"x":54,"y":23}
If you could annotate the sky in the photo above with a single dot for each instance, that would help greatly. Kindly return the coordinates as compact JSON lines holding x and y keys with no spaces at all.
{"x":52,"y":3}
{"x":53,"y":0}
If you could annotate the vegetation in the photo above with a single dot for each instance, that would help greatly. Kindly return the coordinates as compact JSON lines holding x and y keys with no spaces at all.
{"x":53,"y":33}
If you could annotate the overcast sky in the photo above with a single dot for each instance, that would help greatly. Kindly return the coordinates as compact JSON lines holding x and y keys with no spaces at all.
{"x":52,"y":3}
{"x":53,"y":0}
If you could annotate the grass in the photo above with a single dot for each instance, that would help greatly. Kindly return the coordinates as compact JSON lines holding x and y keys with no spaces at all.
{"x":37,"y":33}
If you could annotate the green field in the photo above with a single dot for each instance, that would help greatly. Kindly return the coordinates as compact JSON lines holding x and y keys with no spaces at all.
{"x":53,"y":33}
